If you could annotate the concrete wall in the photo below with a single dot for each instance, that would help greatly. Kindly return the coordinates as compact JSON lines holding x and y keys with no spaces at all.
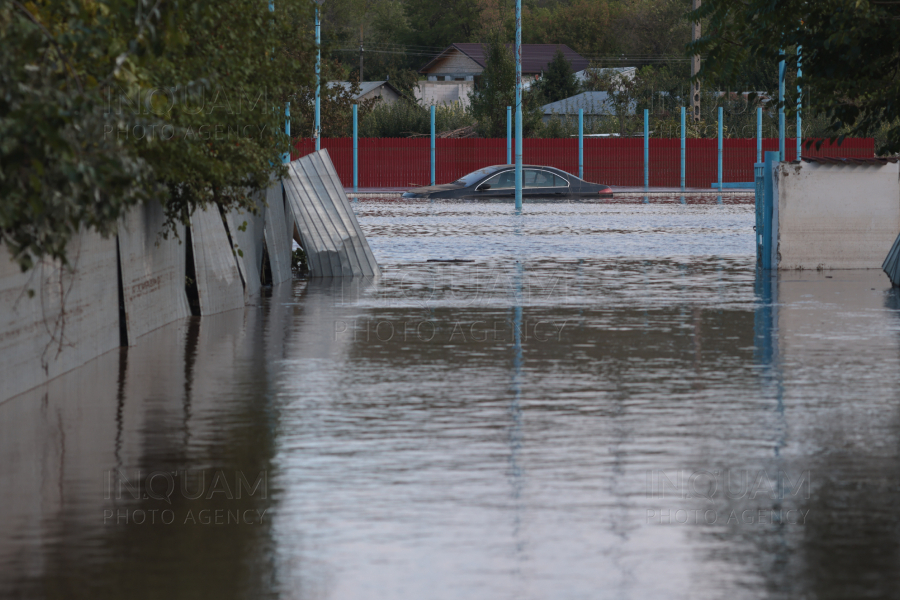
{"x":55,"y":318}
{"x":435,"y":93}
{"x":835,"y":216}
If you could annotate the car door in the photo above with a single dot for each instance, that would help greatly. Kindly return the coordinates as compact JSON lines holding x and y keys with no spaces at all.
{"x":501,"y":184}
{"x":538,"y":182}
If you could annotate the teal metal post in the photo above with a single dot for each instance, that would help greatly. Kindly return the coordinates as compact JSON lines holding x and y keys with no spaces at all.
{"x":759,"y":156}
{"x":355,"y":151}
{"x":287,"y":131}
{"x":720,"y":152}
{"x":432,"y":144}
{"x":781,"y":106}
{"x":509,"y":135}
{"x":318,"y":131}
{"x":799,"y":105}
{"x":768,"y":207}
{"x":518,"y":104}
{"x":683,"y":151}
{"x":646,"y":148}
{"x":581,"y":143}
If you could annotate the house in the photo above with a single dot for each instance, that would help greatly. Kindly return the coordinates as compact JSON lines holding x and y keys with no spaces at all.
{"x":465,"y":62}
{"x":622,"y":72}
{"x":436,"y":93}
{"x":594,"y":105}
{"x":370,"y":89}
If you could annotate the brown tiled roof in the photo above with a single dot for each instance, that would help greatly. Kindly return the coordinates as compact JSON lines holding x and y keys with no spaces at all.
{"x":535,"y":57}
{"x":829,"y":160}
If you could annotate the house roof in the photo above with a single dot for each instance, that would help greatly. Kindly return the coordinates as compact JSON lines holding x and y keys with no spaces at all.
{"x":593,"y":103}
{"x":535,"y":57}
{"x":364,"y":87}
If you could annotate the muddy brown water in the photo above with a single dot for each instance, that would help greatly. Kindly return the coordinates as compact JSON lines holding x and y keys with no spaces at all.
{"x":607,"y":403}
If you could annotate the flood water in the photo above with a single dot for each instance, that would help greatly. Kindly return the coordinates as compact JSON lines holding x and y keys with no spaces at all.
{"x":607,"y":402}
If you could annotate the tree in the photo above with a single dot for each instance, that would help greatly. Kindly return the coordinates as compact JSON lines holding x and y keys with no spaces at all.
{"x":850,"y":56}
{"x":559,"y":81}
{"x":496,"y":89}
{"x":103,"y":106}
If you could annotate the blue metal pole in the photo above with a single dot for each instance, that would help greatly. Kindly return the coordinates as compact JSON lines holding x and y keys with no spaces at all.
{"x":768,"y":205}
{"x":355,"y":151}
{"x":432,"y":144}
{"x":287,"y":131}
{"x":518,"y":104}
{"x":781,"y":106}
{"x":720,"y":149}
{"x":683,"y":151}
{"x":799,"y":105}
{"x":646,"y":148}
{"x":509,"y":135}
{"x":318,"y":131}
{"x":759,"y":156}
{"x":581,"y":143}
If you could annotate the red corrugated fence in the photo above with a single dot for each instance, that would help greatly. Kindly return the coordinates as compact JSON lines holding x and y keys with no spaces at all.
{"x":406,"y":162}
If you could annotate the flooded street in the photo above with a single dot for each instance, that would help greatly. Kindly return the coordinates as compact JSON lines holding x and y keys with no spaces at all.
{"x":606,"y":402}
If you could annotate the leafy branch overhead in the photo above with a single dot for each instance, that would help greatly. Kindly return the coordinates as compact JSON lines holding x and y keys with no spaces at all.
{"x":106,"y":105}
{"x":850,"y":53}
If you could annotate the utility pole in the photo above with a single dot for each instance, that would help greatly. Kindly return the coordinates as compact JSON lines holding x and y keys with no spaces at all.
{"x":360,"y":53}
{"x":695,"y":65}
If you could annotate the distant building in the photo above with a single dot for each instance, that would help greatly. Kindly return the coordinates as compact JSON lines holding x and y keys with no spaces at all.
{"x":436,"y":93}
{"x":623,"y":72}
{"x":370,"y":89}
{"x":466,"y":62}
{"x":594,"y":104}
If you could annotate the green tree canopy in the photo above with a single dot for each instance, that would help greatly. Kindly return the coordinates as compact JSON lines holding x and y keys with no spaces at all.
{"x":559,"y":81}
{"x":107,"y":104}
{"x":850,"y":56}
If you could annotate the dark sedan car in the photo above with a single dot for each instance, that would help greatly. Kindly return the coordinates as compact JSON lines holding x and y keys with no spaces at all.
{"x":499,"y":182}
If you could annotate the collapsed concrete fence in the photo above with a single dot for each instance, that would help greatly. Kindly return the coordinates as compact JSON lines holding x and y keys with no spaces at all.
{"x":54,"y":319}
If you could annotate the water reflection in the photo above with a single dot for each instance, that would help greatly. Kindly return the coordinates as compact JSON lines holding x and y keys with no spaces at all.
{"x":547,"y":422}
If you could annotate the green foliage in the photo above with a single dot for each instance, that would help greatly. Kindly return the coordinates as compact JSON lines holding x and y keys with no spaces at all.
{"x":103,"y":106}
{"x":496,"y":89}
{"x":404,"y":118}
{"x":559,"y":81}
{"x":849,"y":57}
{"x":336,"y":102}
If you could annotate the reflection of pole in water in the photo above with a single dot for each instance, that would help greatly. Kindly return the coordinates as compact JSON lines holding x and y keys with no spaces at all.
{"x":515,"y":410}
{"x":765,"y":332}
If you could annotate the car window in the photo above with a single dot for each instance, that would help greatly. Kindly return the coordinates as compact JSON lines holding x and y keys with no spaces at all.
{"x":475,"y":176}
{"x":536,"y":178}
{"x":507,"y":179}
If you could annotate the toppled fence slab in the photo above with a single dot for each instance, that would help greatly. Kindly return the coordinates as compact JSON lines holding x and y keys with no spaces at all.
{"x":334,"y":243}
{"x":219,"y":283}
{"x":70,"y":319}
{"x":153,"y":272}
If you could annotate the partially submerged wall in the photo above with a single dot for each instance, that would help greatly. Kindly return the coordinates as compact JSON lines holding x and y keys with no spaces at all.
{"x":55,"y":319}
{"x":836,"y":216}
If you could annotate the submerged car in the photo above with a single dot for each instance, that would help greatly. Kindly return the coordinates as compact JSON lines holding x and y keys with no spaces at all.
{"x":499,"y":181}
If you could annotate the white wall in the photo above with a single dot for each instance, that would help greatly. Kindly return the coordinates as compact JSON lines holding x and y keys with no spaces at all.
{"x":836,"y":216}
{"x":435,"y":93}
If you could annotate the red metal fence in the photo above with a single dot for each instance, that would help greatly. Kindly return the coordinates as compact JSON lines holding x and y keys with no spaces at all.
{"x":406,"y":162}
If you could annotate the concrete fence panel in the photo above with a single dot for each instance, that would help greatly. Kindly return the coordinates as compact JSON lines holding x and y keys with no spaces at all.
{"x":153,"y":272}
{"x":334,"y":243}
{"x":278,"y":243}
{"x":249,"y":241}
{"x":71,"y":316}
{"x":218,"y":279}
{"x":836,"y":216}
